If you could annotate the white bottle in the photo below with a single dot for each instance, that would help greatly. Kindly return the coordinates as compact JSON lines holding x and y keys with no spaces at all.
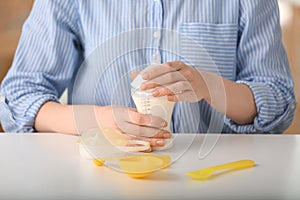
{"x":156,"y":106}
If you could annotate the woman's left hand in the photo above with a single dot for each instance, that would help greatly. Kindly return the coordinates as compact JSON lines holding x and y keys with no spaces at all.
{"x":177,"y":81}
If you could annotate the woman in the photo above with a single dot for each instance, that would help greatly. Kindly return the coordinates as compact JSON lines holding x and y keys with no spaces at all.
{"x":222,"y":61}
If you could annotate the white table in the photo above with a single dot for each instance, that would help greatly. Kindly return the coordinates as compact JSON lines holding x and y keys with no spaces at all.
{"x":49,"y":166}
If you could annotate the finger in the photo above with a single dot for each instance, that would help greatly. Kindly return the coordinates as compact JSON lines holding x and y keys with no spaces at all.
{"x":152,"y":141}
{"x":163,"y":134}
{"x":164,"y":79}
{"x":145,"y":120}
{"x":130,"y":121}
{"x":139,"y":131}
{"x":158,"y":71}
{"x":188,"y":73}
{"x":173,"y":89}
{"x":188,"y":96}
{"x":172,"y":98}
{"x":159,"y":134}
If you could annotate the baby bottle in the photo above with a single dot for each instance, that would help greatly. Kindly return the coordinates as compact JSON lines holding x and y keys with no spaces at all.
{"x":156,"y":106}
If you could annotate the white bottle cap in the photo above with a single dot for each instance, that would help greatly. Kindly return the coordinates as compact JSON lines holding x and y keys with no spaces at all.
{"x":138,"y":81}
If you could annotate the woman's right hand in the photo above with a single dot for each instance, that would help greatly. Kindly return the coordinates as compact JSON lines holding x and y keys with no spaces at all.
{"x":134,"y":125}
{"x":72,"y":119}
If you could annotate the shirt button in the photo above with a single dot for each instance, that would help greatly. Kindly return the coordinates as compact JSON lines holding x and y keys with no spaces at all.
{"x":2,"y":99}
{"x":156,"y":34}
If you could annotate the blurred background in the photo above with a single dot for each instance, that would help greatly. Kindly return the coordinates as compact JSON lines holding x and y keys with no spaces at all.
{"x":14,"y":12}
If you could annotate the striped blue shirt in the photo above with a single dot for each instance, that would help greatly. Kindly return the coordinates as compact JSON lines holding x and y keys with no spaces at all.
{"x":92,"y":46}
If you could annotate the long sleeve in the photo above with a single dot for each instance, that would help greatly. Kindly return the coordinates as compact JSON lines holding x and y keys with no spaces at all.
{"x":262,"y":64}
{"x":47,"y":56}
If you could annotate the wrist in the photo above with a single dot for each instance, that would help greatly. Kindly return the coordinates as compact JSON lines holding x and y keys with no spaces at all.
{"x":209,"y":87}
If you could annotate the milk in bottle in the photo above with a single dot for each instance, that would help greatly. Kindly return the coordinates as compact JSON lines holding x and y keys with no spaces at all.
{"x":156,"y":106}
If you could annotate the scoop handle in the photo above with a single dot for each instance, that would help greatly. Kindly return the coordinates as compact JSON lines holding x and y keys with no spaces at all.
{"x":235,"y":165}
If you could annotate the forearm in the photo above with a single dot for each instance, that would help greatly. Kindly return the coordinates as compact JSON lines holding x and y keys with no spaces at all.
{"x":184,"y":83}
{"x":74,"y":119}
{"x":68,"y":119}
{"x":233,"y":99}
{"x":54,"y":117}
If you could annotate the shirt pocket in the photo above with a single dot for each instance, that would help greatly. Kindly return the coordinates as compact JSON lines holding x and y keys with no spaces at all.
{"x":210,"y":47}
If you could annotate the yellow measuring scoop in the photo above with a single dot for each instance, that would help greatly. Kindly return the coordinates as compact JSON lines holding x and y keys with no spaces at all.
{"x":108,"y":144}
{"x":206,"y":173}
{"x":139,"y":166}
{"x":143,"y":165}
